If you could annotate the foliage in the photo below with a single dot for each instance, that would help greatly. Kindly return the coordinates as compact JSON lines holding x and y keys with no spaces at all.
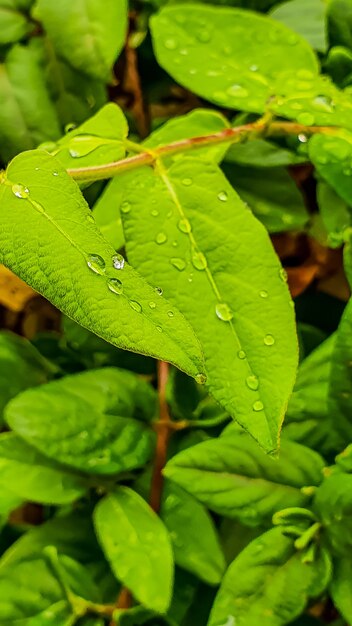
{"x":185,"y":440}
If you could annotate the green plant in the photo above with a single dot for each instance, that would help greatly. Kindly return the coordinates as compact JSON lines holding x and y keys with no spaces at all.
{"x":148,"y":432}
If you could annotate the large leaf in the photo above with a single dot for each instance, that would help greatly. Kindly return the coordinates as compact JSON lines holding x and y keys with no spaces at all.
{"x":268,"y":584}
{"x":74,"y":266}
{"x":31,"y":476}
{"x":236,"y":74}
{"x":215,"y":262}
{"x":233,"y":477}
{"x":312,"y":27}
{"x":27,"y":116}
{"x":21,"y":366}
{"x":341,"y":587}
{"x":137,"y":545}
{"x":87,"y":433}
{"x":192,"y":532}
{"x":273,"y":196}
{"x":88,"y":36}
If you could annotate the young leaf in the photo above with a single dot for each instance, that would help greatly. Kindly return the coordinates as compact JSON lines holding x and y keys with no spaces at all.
{"x":341,"y":377}
{"x":83,"y":433}
{"x":273,"y":196}
{"x":21,"y":366}
{"x":312,"y":28}
{"x":261,"y":153}
{"x":339,"y":13}
{"x":235,"y":478}
{"x":27,"y":116}
{"x":332,"y":156}
{"x":268,"y":583}
{"x":137,"y":546}
{"x":14,"y":25}
{"x":341,"y":587}
{"x":74,"y":266}
{"x":335,"y":213}
{"x":333,"y":502}
{"x":233,"y":293}
{"x":184,"y":35}
{"x":86,"y":35}
{"x":193,"y":535}
{"x":31,"y":476}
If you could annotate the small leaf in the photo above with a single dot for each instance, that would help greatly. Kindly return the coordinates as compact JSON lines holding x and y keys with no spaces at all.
{"x":83,"y":433}
{"x":335,"y":214}
{"x":27,"y":115}
{"x":235,"y":478}
{"x":137,"y":547}
{"x":312,"y":28}
{"x":14,"y":25}
{"x":262,"y":153}
{"x":332,"y":157}
{"x":219,"y":288}
{"x":333,"y":502}
{"x":339,"y":13}
{"x":340,"y":395}
{"x":193,"y":535}
{"x":83,"y":34}
{"x":31,"y":476}
{"x":268,"y":583}
{"x":183,"y":36}
{"x":112,"y":302}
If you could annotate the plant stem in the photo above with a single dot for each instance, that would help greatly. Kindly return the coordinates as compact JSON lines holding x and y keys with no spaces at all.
{"x":238,"y":134}
{"x":164,"y":429}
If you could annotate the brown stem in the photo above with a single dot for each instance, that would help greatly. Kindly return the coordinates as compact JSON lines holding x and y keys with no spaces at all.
{"x":238,"y":134}
{"x":163,"y":428}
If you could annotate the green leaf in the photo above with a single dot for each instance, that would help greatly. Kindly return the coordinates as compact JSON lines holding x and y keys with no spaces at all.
{"x":83,"y":433}
{"x":235,"y":478}
{"x":27,"y":116}
{"x":273,"y":196}
{"x":193,"y":535}
{"x":76,"y":96}
{"x":13,"y":24}
{"x":87,"y":37}
{"x":97,"y":141}
{"x":312,"y":27}
{"x":268,"y":583}
{"x":21,"y":366}
{"x":341,"y":377}
{"x":261,"y":153}
{"x":333,"y":503}
{"x":241,"y":315}
{"x":341,"y":587}
{"x":339,"y":65}
{"x":54,"y":211}
{"x":31,"y":476}
{"x":339,"y":13}
{"x":137,"y":547}
{"x":183,"y":36}
{"x":332,"y":157}
{"x":335,"y":214}
{"x":107,"y":214}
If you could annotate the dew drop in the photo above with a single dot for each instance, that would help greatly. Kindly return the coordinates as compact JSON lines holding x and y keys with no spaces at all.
{"x":159,"y":291}
{"x":241,"y":354}
{"x":55,"y":173}
{"x":96,"y":263}
{"x":258,"y":406}
{"x":152,"y":304}
{"x":269,"y":340}
{"x":160,"y":238}
{"x":263,"y":294}
{"x":184,"y":226}
{"x":198,"y":260}
{"x":238,"y":91}
{"x":252,"y":382}
{"x":115,"y":285}
{"x":135,"y":306}
{"x":222,"y":196}
{"x":170,"y":313}
{"x":69,"y":128}
{"x":283,"y":274}
{"x":170,"y":44}
{"x":125,"y":207}
{"x":187,"y":182}
{"x":20,"y":191}
{"x":253,"y":68}
{"x":159,"y":329}
{"x":302,"y":138}
{"x":179,"y":263}
{"x":200,"y":379}
{"x":223,"y":311}
{"x":154,"y":213}
{"x":118,"y":261}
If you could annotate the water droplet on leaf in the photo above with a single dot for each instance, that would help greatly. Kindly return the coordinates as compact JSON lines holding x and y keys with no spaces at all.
{"x":115,"y":285}
{"x":135,"y":306}
{"x":258,"y":406}
{"x":241,"y":354}
{"x":159,"y":291}
{"x":152,"y":304}
{"x":200,"y":379}
{"x":118,"y":261}
{"x":223,"y":311}
{"x":125,"y":207}
{"x":198,"y":260}
{"x":252,"y":382}
{"x":20,"y":191}
{"x":263,"y":294}
{"x":222,"y":196}
{"x":96,"y":263}
{"x":269,"y":340}
{"x":187,"y":182}
{"x":160,"y":238}
{"x":184,"y":226}
{"x":179,"y":263}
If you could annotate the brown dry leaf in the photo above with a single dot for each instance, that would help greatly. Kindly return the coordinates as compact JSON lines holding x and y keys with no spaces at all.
{"x":14,"y":293}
